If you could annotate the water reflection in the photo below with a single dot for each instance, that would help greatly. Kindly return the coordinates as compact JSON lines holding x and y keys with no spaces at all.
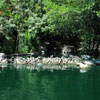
{"x":83,"y":70}
{"x":23,"y":84}
{"x":46,"y":67}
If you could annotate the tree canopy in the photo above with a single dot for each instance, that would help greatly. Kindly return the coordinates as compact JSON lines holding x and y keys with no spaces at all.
{"x":27,"y":24}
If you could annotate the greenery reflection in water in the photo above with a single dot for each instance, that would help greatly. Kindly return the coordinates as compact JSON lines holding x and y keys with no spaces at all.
{"x":26,"y":84}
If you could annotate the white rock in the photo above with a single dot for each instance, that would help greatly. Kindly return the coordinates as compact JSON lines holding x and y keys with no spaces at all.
{"x":2,"y":55}
{"x":4,"y":61}
{"x":83,"y":66}
{"x":88,"y":62}
{"x":19,"y":60}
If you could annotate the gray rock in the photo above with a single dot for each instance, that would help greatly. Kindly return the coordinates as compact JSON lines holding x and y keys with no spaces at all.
{"x":75,"y":58}
{"x":42,"y":51}
{"x":19,"y":60}
{"x":85,"y":57}
{"x":67,"y":50}
{"x":96,"y":62}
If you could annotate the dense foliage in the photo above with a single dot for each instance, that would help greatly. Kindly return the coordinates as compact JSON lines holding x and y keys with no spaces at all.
{"x":25,"y":25}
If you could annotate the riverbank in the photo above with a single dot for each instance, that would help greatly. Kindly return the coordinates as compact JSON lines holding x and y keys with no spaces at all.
{"x":44,"y":62}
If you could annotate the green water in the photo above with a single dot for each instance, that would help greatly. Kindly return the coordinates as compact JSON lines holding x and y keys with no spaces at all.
{"x":26,"y":84}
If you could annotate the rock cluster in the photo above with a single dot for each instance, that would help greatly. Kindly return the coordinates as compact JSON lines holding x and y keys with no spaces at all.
{"x":44,"y":62}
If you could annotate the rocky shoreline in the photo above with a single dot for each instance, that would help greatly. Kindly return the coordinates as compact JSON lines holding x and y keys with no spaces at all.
{"x":49,"y":62}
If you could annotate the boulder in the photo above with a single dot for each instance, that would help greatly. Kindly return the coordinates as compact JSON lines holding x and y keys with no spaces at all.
{"x":96,"y":62}
{"x":3,"y":59}
{"x":75,"y":58}
{"x":67,"y":50}
{"x":19,"y":60}
{"x":42,"y":51}
{"x":2,"y":56}
{"x":89,"y":62}
{"x":82,"y":65}
{"x":85,"y":57}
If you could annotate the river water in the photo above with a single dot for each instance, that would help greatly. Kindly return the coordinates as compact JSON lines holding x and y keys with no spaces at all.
{"x":70,"y":84}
